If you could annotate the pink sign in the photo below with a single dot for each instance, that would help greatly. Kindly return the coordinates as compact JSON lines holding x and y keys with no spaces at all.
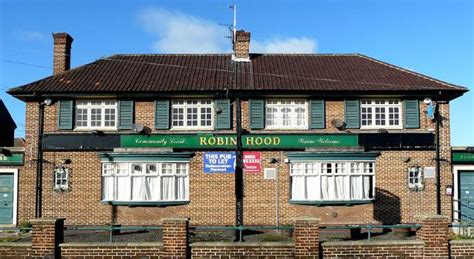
{"x":252,"y":162}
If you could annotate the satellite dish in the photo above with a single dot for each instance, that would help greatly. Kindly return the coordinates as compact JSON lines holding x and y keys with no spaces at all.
{"x":137,"y":127}
{"x":338,"y":124}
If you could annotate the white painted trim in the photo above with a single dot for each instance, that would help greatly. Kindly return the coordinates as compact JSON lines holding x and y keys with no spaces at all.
{"x":15,"y":190}
{"x":456,"y":169}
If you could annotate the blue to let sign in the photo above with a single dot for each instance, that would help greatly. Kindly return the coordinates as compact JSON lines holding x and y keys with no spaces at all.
{"x":219,"y":162}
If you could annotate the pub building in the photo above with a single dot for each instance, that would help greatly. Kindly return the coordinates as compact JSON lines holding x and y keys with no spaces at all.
{"x":132,"y":138}
{"x":11,"y":161}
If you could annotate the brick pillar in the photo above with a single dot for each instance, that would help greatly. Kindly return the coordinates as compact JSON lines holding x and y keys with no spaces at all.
{"x":306,"y":237}
{"x":47,"y":234}
{"x":434,"y":231}
{"x":175,"y":237}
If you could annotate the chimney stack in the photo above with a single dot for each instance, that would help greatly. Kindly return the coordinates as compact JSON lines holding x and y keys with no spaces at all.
{"x":62,"y":52}
{"x":241,"y":46}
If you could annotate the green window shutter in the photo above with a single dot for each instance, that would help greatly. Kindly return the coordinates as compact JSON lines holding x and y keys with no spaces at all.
{"x":352,"y":114}
{"x":257,"y":113}
{"x":318,"y":117}
{"x":125,"y":114}
{"x":411,"y":114}
{"x":162,"y":114}
{"x":224,"y":116}
{"x":66,"y":115}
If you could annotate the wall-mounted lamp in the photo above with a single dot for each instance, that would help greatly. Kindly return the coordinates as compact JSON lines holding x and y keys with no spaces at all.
{"x":66,"y":161}
{"x":338,"y":124}
{"x":218,"y":110}
{"x":382,"y":130}
{"x":47,"y":102}
{"x":273,"y":160}
{"x":98,"y":132}
{"x":5,"y":152}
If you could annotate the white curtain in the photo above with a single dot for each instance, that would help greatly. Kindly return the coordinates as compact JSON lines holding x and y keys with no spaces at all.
{"x":152,"y":190}
{"x":298,"y":188}
{"x":366,"y":187}
{"x":328,"y":188}
{"x":168,"y":188}
{"x":182,"y":186}
{"x":356,"y":190}
{"x":138,"y":188}
{"x":108,"y":188}
{"x":341,"y":188}
{"x":313,"y":189}
{"x":123,"y":188}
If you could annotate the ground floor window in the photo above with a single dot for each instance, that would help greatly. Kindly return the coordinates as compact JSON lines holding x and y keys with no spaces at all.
{"x":136,"y":181}
{"x":332,"y":181}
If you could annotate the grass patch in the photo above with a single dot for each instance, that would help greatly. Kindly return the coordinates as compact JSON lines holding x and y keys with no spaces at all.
{"x":8,"y":239}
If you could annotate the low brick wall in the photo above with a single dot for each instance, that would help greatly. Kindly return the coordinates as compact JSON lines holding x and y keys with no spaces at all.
{"x":115,"y":250}
{"x":15,"y":250}
{"x":462,"y":248}
{"x":369,"y":249}
{"x":233,"y":250}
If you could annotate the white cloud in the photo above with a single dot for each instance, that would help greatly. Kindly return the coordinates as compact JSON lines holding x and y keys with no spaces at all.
{"x":287,"y":45}
{"x":31,"y":35}
{"x":177,"y":32}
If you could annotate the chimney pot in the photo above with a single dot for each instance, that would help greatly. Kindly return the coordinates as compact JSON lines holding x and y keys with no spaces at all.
{"x":242,"y":46}
{"x":62,"y":52}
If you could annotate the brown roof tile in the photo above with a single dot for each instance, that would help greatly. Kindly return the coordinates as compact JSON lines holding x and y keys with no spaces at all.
{"x":266,"y":72}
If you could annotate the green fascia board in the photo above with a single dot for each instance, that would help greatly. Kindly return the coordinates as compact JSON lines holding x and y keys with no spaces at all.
{"x":146,"y":203}
{"x":462,"y":157}
{"x":335,"y":202}
{"x":336,"y":156}
{"x":12,"y":159}
{"x":250,"y":141}
{"x":163,"y":156}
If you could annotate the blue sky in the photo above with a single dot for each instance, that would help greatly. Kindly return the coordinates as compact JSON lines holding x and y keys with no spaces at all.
{"x":434,"y":37}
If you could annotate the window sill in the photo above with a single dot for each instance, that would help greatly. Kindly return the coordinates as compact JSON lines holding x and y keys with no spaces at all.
{"x":323,"y":203}
{"x":146,"y":203}
{"x":95,"y":129}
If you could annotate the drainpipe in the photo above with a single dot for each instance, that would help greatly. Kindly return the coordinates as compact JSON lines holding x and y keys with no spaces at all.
{"x":239,"y":178}
{"x":438,"y":171}
{"x":39,"y":161}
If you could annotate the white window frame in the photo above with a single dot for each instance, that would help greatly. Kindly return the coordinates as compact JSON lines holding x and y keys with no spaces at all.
{"x":419,"y":184}
{"x":386,"y":104}
{"x":346,"y":172}
{"x":279,"y":105}
{"x":129,"y":167}
{"x":61,"y":186}
{"x":87,"y":105}
{"x":199,"y":105}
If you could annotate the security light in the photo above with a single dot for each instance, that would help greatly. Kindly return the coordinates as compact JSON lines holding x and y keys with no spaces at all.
{"x":427,"y":100}
{"x":48,"y":102}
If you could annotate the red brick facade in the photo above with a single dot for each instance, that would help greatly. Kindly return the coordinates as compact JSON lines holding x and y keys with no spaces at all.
{"x":212,"y":200}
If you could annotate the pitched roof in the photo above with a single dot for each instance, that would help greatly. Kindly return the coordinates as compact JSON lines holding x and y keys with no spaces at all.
{"x":159,"y":74}
{"x":6,"y":118}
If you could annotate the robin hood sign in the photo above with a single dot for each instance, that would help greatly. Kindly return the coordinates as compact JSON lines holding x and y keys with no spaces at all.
{"x":228,"y":141}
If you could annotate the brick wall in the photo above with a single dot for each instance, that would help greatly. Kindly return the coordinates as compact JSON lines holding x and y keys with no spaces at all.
{"x":212,"y":199}
{"x":15,"y":250}
{"x":434,"y":232}
{"x":373,"y":249}
{"x":461,"y":249}
{"x":115,"y":250}
{"x":242,"y":250}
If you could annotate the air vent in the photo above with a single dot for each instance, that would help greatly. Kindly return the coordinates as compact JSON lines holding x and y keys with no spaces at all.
{"x":269,"y":173}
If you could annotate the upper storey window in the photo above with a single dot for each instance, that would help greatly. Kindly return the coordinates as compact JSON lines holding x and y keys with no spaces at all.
{"x":286,"y":114}
{"x":96,"y":114}
{"x":192,"y":114}
{"x":381,"y":114}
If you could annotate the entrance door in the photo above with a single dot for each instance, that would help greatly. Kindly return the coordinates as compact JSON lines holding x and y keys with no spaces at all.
{"x":466,"y":195}
{"x":6,"y":198}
